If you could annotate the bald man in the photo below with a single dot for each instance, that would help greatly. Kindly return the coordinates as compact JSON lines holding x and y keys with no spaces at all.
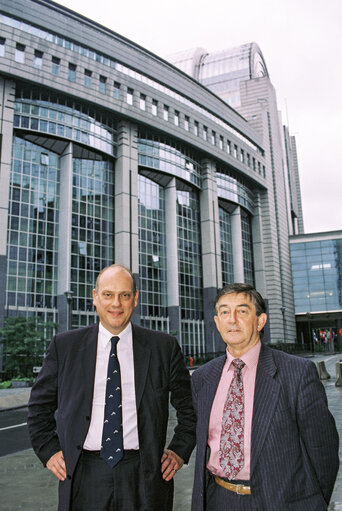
{"x":132,"y":470}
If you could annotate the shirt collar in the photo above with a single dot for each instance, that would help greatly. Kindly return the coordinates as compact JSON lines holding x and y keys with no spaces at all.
{"x":250,"y":358}
{"x":105,"y":335}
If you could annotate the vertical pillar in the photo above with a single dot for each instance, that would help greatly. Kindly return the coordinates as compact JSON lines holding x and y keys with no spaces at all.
{"x":64,"y":236}
{"x":126,"y":202}
{"x":237,"y":245}
{"x":172,"y":259}
{"x":211,"y":254}
{"x":7,"y":93}
{"x":258,"y":248}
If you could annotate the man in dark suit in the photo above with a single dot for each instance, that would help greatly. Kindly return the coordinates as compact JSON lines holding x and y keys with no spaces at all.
{"x":266,"y":440}
{"x":74,"y":381}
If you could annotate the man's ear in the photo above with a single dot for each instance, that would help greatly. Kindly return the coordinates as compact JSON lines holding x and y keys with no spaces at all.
{"x":94,"y":296}
{"x":262,"y":321}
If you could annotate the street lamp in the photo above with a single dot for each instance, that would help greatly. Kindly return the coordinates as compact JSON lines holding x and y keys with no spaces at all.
{"x":68,"y":296}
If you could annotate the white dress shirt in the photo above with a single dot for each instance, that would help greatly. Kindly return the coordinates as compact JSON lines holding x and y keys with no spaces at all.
{"x":129,"y":409}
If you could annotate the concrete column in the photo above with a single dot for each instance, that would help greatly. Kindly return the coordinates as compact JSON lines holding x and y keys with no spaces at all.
{"x":237,"y":245}
{"x":126,"y":226}
{"x":211,"y":253}
{"x":258,"y":248}
{"x":126,"y":198}
{"x":64,"y":236}
{"x":7,"y":93}
{"x":172,"y":259}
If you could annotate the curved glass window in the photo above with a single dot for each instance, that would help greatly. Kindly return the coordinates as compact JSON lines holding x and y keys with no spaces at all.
{"x":232,"y":189}
{"x":32,"y":243}
{"x":259,"y":66}
{"x":92,"y":232}
{"x":166,"y":156}
{"x":226,"y":247}
{"x":64,"y":119}
{"x":152,"y":251}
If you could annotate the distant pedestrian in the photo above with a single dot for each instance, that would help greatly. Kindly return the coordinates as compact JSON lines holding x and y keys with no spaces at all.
{"x":266,"y":440}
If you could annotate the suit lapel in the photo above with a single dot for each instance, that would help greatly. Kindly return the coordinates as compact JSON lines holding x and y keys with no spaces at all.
{"x":89,"y":352}
{"x":212,"y":379}
{"x":141,"y":357}
{"x":265,"y":401}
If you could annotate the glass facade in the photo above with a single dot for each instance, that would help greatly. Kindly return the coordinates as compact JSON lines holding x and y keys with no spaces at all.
{"x":152,"y":255}
{"x":168,"y":156}
{"x":32,"y":243}
{"x":226,"y":247}
{"x":317,"y":275}
{"x":44,"y":112}
{"x":233,"y":189}
{"x":118,"y":137}
{"x":189,"y":255}
{"x":92,"y":234}
{"x":247,"y":248}
{"x":190,"y":272}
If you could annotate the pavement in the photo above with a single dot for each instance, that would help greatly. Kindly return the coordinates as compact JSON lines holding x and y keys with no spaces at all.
{"x":26,"y":485}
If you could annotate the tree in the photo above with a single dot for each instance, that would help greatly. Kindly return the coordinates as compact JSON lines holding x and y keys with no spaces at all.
{"x":24,"y":344}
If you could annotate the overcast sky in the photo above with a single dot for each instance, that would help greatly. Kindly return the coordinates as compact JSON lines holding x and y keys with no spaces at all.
{"x":302,"y":45}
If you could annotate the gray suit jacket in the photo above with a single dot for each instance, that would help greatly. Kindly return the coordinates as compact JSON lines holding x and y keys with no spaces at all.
{"x":66,"y":384}
{"x":294,"y":444}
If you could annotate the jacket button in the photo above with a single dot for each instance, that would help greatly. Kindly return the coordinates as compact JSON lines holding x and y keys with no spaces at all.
{"x":69,"y":476}
{"x":87,"y":418}
{"x":78,"y":447}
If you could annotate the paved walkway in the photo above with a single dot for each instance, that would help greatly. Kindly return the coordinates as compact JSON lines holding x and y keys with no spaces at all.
{"x":26,"y":485}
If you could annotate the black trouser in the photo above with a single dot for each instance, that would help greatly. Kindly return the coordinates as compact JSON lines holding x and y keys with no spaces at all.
{"x":98,"y":487}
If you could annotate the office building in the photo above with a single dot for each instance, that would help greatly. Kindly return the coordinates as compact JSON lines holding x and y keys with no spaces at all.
{"x":111,"y":154}
{"x":317,"y":283}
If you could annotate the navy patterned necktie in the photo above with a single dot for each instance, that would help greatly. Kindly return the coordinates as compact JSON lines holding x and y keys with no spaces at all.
{"x":112,"y":438}
{"x":232,"y":433}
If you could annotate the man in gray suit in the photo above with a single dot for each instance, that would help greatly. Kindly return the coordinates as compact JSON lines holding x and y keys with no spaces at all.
{"x":148,"y":368}
{"x":265,"y":438}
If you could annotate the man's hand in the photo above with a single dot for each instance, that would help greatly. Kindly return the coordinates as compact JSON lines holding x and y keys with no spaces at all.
{"x":170,"y":463}
{"x":57,"y":465}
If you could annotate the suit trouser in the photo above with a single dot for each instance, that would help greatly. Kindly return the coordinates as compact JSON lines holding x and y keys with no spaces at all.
{"x":220,"y":499}
{"x":98,"y":487}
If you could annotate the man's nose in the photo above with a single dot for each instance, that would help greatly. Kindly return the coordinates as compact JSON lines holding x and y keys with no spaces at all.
{"x":231,"y":317}
{"x":116,"y":300}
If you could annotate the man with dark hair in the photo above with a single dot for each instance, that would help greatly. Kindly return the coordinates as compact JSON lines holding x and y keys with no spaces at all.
{"x":265,"y":437}
{"x":111,"y":384}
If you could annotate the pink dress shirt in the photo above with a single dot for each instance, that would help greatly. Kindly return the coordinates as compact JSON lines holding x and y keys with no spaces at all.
{"x":214,"y":434}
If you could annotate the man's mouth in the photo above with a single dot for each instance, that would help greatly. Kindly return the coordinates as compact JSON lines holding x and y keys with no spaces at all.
{"x":115,"y":313}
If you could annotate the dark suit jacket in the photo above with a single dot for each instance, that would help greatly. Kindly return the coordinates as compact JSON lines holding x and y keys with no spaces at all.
{"x":66,"y":383}
{"x":294,"y":444}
